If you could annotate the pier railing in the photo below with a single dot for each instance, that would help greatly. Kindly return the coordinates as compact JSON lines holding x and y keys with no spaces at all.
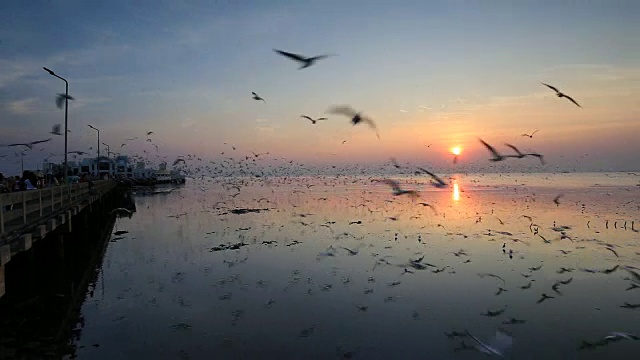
{"x":20,"y":210}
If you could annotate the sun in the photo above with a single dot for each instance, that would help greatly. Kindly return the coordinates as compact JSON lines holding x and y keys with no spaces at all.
{"x":456,"y":150}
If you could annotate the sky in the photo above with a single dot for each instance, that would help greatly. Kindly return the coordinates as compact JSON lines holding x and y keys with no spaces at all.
{"x":431,"y":74}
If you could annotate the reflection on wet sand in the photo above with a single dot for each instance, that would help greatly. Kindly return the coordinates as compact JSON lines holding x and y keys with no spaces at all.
{"x":337,"y":266}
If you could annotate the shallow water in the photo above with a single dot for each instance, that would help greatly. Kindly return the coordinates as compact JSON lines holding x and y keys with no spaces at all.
{"x":343,"y":290}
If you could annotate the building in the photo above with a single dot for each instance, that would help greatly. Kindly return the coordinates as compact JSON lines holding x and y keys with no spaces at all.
{"x":118,"y":167}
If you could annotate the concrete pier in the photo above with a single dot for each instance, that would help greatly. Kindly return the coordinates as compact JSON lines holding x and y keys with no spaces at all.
{"x":45,"y":273}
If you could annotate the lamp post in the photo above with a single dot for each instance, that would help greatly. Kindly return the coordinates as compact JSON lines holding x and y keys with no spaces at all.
{"x":98,"y":160}
{"x":66,"y":111}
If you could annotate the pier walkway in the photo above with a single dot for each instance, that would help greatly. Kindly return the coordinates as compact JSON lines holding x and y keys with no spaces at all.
{"x":28,"y":216}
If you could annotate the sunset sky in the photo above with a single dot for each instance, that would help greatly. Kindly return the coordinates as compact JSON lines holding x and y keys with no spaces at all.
{"x":429,"y":73}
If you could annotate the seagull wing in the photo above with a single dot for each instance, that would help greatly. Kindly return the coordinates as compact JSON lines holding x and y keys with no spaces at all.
{"x":490,"y":148}
{"x":515,"y":149}
{"x":323,"y":118}
{"x":436,"y":178}
{"x":291,"y":55}
{"x":394,"y":184}
{"x":319,"y":57}
{"x":551,"y":87}
{"x":306,"y":117}
{"x":60,"y":101}
{"x":371,"y":124}
{"x":535,"y":131}
{"x":573,"y":101}
{"x":40,"y":141}
{"x":342,"y":110}
{"x":254,"y":94}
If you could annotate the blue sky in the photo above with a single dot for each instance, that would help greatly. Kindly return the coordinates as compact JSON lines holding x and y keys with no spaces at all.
{"x":442,"y":73}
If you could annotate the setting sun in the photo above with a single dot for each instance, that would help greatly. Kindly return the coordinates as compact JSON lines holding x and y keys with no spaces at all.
{"x":456,"y":150}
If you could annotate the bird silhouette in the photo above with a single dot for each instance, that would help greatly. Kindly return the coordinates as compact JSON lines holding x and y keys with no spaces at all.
{"x":437,"y":182}
{"x":496,"y":155}
{"x":55,"y":130}
{"x":356,"y":117}
{"x":561,"y":95}
{"x":530,"y":135}
{"x":60,"y":100}
{"x":520,"y":155}
{"x":395,"y":186}
{"x":257,"y":97}
{"x":305,"y":61}
{"x":313,"y":121}
{"x":29,"y":144}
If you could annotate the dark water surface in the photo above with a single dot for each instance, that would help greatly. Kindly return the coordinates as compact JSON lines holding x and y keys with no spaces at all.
{"x":168,"y":290}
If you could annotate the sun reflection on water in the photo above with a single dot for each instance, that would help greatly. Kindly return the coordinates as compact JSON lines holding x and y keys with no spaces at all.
{"x":456,"y":191}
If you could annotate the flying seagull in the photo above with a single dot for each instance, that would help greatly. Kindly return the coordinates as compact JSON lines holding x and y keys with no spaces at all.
{"x":55,"y":130}
{"x":395,"y":186}
{"x":530,"y":135}
{"x":61,"y":99}
{"x":521,"y":155}
{"x":313,"y":121}
{"x":306,"y":62}
{"x":437,"y":182}
{"x":561,"y":95}
{"x":496,"y":155}
{"x":257,"y":97}
{"x":356,"y":117}
{"x":30,"y":144}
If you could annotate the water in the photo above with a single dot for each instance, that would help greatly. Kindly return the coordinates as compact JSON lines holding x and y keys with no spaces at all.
{"x":163,"y":293}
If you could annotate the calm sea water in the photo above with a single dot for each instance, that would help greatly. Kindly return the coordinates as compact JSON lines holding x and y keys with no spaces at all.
{"x":322,"y":268}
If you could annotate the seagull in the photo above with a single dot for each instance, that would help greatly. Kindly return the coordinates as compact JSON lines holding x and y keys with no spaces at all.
{"x":178,"y":161}
{"x":60,"y":100}
{"x":55,"y":130}
{"x":257,"y":97}
{"x":561,"y":95}
{"x":397,"y":190}
{"x":544,"y":297}
{"x":530,"y":135}
{"x":496,"y":155}
{"x":356,"y":118}
{"x":30,"y":144}
{"x":497,"y":346}
{"x":557,"y":199}
{"x":437,"y":182}
{"x":149,"y":133}
{"x":306,"y":62}
{"x":521,"y":155}
{"x":313,"y":121}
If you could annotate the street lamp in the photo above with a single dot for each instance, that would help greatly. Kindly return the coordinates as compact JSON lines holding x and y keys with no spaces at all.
{"x":66,"y":111}
{"x":98,"y":161}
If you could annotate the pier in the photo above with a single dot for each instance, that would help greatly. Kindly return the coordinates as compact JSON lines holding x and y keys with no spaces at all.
{"x":53,"y":242}
{"x":27,"y":217}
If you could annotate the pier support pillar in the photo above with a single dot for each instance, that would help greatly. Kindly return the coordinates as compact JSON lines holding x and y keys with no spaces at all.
{"x":23,"y":243}
{"x":51,"y":225}
{"x":68,"y":227}
{"x":40,"y":232}
{"x":5,"y":254}
{"x":2,"y":288}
